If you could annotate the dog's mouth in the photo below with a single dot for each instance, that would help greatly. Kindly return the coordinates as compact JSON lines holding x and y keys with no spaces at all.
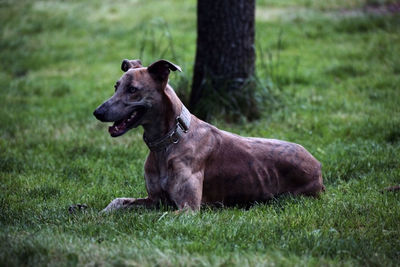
{"x":122,"y":126}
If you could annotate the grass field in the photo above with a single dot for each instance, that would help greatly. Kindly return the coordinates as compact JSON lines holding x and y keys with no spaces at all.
{"x":331,"y":73}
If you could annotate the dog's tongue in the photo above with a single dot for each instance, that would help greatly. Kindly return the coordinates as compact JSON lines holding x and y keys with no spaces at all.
{"x":117,"y":128}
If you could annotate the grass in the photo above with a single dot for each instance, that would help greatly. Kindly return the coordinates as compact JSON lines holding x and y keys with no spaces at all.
{"x":334,"y":79}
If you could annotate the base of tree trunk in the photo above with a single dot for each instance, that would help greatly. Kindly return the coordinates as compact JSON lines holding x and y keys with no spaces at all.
{"x":231,"y":100}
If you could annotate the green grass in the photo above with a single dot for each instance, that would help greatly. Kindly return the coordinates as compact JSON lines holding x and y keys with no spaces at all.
{"x":334,"y":87}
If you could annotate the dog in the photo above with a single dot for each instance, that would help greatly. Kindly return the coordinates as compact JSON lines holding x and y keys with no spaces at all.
{"x":191,"y":162}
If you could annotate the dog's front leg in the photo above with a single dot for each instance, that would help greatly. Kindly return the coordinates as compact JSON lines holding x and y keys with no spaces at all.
{"x":187,"y":192}
{"x":125,"y":203}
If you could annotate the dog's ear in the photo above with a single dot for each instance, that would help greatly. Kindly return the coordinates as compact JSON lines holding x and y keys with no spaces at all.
{"x":130,"y":64}
{"x":161,"y":68}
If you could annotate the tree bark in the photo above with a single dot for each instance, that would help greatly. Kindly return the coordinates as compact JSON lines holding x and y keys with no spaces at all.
{"x":225,"y":52}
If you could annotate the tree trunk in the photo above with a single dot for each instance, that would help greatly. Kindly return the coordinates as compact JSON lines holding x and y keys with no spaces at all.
{"x":224,"y":58}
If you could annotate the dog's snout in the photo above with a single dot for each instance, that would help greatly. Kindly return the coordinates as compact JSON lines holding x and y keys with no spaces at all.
{"x":109,"y":111}
{"x":99,"y":114}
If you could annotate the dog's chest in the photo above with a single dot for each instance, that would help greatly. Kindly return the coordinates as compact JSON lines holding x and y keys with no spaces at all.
{"x":158,"y":176}
{"x":164,"y":182}
{"x":162,"y":173}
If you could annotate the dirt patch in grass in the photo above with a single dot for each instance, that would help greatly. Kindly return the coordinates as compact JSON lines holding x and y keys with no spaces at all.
{"x":372,"y":9}
{"x":291,"y":13}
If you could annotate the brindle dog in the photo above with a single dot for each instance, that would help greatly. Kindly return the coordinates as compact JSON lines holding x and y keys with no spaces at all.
{"x":192,"y":162}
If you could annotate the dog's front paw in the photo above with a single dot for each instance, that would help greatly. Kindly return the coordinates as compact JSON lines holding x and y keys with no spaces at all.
{"x":118,"y":203}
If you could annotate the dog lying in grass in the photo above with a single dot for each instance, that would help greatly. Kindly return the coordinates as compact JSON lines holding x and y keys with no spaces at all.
{"x":192,"y":162}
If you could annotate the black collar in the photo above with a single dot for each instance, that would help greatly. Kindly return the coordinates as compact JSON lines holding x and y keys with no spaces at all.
{"x":174,"y":135}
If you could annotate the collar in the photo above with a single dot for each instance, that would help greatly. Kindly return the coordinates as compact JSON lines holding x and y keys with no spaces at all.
{"x":174,"y":135}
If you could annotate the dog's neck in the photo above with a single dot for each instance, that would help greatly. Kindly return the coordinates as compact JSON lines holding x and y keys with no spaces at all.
{"x":169,"y":110}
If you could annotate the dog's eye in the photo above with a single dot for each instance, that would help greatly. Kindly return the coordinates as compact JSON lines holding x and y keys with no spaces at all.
{"x":132,"y":89}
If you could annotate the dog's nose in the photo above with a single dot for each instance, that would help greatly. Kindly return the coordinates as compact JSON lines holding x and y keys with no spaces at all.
{"x":98,"y":114}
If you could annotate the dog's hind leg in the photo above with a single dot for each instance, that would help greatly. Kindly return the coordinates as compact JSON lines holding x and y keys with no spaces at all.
{"x":125,"y":203}
{"x":313,"y":188}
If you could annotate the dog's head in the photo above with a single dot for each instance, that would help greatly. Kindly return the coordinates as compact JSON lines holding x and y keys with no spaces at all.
{"x":137,"y":97}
